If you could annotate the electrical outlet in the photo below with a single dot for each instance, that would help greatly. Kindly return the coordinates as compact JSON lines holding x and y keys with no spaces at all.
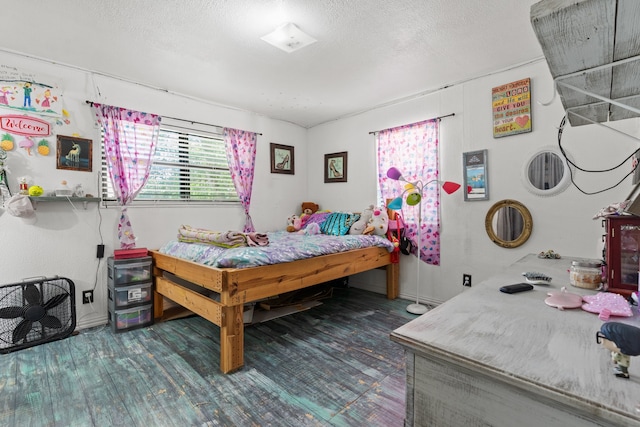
{"x":466,"y":280}
{"x":87,"y":297}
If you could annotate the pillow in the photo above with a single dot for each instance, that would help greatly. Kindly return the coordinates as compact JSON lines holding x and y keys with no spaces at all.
{"x":338,"y":223}
{"x":317,"y":218}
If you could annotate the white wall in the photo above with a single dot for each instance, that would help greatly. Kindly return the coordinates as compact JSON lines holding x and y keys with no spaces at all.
{"x":562,"y":222}
{"x":63,"y":240}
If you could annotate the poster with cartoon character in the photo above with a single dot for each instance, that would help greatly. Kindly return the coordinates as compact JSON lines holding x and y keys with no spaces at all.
{"x":29,"y":92}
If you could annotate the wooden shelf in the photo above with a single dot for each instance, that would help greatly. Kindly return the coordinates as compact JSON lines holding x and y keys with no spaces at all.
{"x":46,"y":199}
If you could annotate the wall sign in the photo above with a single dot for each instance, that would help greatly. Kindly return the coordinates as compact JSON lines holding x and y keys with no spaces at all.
{"x":24,"y":125}
{"x":511,"y":108}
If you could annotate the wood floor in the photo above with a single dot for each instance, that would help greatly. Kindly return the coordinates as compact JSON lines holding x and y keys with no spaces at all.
{"x":333,"y":365}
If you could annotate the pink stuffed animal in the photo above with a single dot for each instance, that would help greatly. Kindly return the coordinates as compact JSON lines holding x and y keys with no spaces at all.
{"x":294,"y":223}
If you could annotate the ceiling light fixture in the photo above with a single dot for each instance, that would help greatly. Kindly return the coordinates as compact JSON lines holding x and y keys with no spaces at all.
{"x":289,"y":38}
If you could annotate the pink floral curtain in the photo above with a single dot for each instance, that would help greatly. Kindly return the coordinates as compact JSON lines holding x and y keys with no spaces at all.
{"x":413,"y":149}
{"x":130,"y":139}
{"x":241,"y":155}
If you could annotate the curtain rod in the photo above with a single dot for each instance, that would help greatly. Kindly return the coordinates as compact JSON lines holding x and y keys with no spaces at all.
{"x":175,"y":118}
{"x":435,"y":118}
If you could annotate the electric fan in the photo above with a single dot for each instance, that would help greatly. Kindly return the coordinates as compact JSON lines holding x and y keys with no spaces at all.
{"x":36,"y":311}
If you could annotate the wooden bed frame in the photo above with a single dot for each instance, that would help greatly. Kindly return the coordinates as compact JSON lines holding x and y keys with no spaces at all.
{"x":237,"y":286}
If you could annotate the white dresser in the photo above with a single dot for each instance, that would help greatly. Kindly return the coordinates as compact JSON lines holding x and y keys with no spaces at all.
{"x":486,"y":358}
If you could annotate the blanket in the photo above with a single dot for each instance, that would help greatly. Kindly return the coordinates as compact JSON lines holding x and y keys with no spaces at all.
{"x":225,"y":239}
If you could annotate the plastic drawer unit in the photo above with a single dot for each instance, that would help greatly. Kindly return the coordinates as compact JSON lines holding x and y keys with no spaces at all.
{"x":127,"y":271}
{"x":130,"y":293}
{"x":121,"y":297}
{"x":131,"y":318}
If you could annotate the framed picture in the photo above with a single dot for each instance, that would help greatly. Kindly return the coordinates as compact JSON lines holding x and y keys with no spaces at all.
{"x":511,"y":105}
{"x":335,"y":167}
{"x":74,"y":153}
{"x":282,"y":159}
{"x":476,"y":185}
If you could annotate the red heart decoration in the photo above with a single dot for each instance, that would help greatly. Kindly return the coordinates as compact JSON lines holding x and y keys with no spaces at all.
{"x":522,"y":121}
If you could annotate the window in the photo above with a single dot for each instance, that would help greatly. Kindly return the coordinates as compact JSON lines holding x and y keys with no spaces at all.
{"x":188,"y":166}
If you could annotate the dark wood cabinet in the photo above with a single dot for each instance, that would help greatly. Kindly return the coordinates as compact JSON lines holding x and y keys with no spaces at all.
{"x":622,"y":253}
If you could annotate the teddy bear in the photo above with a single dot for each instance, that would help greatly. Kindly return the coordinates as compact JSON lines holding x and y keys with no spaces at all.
{"x":361,"y":224}
{"x":308,"y":209}
{"x":379,"y":222}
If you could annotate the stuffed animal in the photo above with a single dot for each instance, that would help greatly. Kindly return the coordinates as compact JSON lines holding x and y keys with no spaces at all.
{"x":294,"y":223}
{"x":379,"y":222}
{"x":360,"y":225}
{"x":310,"y":229}
{"x":308,"y":208}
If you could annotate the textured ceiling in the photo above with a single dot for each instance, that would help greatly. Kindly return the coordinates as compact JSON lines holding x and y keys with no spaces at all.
{"x":369,"y":52}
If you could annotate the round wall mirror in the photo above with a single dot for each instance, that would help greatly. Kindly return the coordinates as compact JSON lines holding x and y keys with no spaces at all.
{"x":508,"y":223}
{"x":546,"y":173}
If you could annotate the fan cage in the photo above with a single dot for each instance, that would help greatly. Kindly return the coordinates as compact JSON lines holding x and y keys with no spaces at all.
{"x":13,"y":295}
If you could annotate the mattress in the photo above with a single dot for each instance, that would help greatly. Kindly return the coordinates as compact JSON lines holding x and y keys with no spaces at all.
{"x":283,"y":247}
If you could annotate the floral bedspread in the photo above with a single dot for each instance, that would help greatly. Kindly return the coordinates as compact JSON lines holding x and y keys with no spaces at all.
{"x":282,"y":247}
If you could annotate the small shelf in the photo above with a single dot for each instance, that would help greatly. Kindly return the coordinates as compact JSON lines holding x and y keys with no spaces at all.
{"x":46,"y":199}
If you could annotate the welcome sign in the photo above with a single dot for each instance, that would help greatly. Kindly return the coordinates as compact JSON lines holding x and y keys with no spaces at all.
{"x":512,"y":108}
{"x":24,"y":125}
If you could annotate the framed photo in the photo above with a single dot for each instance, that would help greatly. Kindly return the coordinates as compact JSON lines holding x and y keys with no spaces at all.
{"x":335,"y":167}
{"x":74,"y":153}
{"x":476,"y":185}
{"x":282,"y":159}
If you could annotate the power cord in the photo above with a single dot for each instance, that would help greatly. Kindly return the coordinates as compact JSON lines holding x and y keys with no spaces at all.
{"x":563,"y":122}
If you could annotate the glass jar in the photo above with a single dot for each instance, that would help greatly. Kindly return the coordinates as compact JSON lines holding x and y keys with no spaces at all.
{"x":586,"y":274}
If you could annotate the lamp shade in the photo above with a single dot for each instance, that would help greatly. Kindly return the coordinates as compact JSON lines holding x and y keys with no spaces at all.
{"x":413,"y":190}
{"x":395,"y":204}
{"x":413,"y":199}
{"x":394,"y":173}
{"x":450,"y":187}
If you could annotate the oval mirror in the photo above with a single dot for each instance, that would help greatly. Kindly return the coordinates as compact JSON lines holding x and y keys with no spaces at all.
{"x":546,"y":173}
{"x":508,"y":223}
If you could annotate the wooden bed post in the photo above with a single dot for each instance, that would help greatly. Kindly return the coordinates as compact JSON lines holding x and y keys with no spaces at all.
{"x":158,"y":300}
{"x":393,"y":269}
{"x":393,"y":280}
{"x":232,"y":339}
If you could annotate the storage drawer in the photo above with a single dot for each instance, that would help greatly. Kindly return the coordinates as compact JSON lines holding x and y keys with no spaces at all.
{"x":126,"y":271}
{"x":129,"y":296}
{"x":131,"y":318}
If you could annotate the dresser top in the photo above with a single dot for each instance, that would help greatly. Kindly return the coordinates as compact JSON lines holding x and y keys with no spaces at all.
{"x":525,"y":342}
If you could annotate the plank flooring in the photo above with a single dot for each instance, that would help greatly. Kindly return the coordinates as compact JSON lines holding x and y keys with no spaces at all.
{"x":332,"y":365}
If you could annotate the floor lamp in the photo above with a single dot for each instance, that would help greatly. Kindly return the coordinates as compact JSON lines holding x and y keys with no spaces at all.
{"x":414,"y":192}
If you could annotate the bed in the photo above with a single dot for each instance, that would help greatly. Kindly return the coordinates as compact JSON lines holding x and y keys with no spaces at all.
{"x":219,"y":293}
